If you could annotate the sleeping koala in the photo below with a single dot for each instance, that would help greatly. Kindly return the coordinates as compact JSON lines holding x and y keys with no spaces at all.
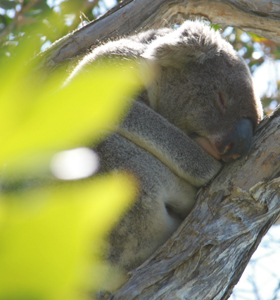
{"x":200,"y":109}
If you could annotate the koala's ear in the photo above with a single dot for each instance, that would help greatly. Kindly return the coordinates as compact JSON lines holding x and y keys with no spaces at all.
{"x":178,"y":55}
{"x":193,"y":41}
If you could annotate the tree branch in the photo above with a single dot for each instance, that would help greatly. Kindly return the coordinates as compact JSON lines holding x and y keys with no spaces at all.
{"x":206,"y":256}
{"x":261,"y":17}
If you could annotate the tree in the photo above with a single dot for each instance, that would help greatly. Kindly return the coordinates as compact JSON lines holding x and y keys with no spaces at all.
{"x":206,"y":256}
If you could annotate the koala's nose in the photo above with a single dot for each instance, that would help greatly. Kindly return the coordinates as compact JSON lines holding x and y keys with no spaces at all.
{"x":237,"y":142}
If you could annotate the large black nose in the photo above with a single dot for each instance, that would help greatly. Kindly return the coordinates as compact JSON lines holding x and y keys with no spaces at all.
{"x":237,"y":142}
{"x":242,"y":138}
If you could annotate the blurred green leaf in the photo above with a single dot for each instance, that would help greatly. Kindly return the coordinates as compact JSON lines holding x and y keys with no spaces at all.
{"x":216,"y":27}
{"x":42,"y":119}
{"x":50,"y":237}
{"x":256,"y":38}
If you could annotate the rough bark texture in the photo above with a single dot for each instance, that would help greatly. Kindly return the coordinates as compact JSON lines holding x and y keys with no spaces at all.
{"x":258,"y":16}
{"x":206,"y":256}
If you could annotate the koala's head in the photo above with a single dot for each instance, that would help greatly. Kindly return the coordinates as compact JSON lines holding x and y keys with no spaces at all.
{"x":205,"y":89}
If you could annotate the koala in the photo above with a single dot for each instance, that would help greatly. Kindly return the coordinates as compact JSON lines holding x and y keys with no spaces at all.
{"x":199,"y":111}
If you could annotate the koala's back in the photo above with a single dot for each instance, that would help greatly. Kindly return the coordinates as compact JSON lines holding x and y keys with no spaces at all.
{"x":151,"y":220}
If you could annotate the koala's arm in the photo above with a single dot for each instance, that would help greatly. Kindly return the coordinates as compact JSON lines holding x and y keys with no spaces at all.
{"x":149,"y":130}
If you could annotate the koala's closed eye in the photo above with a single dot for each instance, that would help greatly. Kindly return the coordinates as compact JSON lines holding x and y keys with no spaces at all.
{"x":221,"y":101}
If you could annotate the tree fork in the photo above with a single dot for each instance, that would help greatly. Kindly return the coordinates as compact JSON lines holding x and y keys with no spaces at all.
{"x":206,"y":256}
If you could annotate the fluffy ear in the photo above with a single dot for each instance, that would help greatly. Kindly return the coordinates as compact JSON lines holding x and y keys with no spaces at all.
{"x":179,"y":54}
{"x":193,"y":41}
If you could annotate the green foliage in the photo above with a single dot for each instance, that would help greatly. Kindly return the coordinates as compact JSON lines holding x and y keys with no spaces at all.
{"x":50,"y":237}
{"x":47,"y":20}
{"x":37,"y":118}
{"x":51,"y":234}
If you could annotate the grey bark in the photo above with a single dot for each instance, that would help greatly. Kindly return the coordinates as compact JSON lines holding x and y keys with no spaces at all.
{"x":206,"y":256}
{"x":257,"y":16}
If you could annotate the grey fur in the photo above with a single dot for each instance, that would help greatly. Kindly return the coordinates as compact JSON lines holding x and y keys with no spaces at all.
{"x":203,"y":90}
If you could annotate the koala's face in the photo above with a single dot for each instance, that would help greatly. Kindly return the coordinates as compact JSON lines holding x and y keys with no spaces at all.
{"x":214,"y":103}
{"x":205,"y":89}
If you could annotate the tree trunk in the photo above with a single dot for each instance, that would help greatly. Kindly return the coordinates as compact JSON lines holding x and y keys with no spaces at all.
{"x":206,"y":256}
{"x":257,"y":16}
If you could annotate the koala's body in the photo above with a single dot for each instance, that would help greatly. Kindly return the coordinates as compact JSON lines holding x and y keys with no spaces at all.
{"x":200,"y":108}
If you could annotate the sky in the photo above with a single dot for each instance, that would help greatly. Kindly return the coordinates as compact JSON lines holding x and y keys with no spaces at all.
{"x":260,"y":279}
